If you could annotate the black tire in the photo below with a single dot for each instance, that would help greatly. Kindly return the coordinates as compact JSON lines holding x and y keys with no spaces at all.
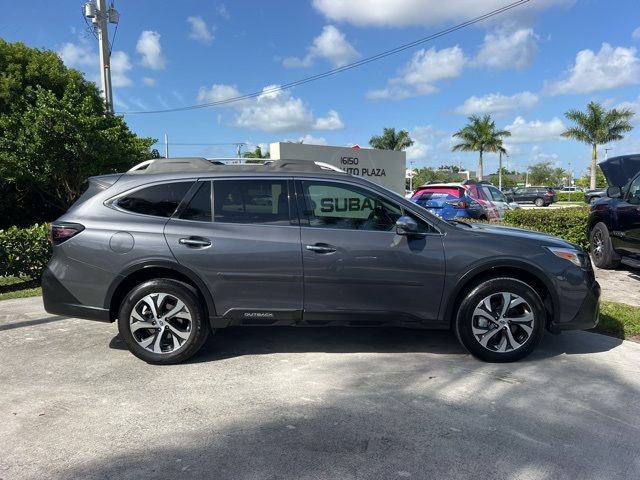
{"x":197,"y":327}
{"x":539,"y":202}
{"x":601,"y":248}
{"x":466,"y":321}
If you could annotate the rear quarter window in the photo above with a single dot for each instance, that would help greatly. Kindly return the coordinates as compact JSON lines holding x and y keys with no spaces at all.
{"x":160,"y":200}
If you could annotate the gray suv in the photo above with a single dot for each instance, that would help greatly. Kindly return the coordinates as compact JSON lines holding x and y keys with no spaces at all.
{"x":183,"y":247}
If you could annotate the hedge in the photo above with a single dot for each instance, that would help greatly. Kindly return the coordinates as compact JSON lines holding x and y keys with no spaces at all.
{"x":568,"y":223}
{"x":24,"y":251}
{"x":575,"y":196}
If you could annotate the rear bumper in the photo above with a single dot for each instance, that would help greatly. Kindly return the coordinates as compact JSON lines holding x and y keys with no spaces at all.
{"x":587,"y":315}
{"x":60,"y":301}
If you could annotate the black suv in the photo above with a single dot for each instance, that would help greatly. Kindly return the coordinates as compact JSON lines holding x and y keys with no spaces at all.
{"x":539,"y":196}
{"x":183,"y":247}
{"x":614,"y":221}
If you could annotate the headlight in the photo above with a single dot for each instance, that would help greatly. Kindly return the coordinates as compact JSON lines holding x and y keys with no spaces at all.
{"x":577,"y":257}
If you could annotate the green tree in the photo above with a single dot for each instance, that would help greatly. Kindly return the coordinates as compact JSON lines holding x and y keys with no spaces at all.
{"x":390,"y":140}
{"x":541,"y":173}
{"x":256,"y":155}
{"x":451,"y":168}
{"x":480,"y":135}
{"x":54,"y":133}
{"x":598,"y":126}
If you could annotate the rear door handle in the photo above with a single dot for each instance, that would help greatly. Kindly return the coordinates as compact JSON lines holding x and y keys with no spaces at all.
{"x":321,"y":248}
{"x":195,"y":242}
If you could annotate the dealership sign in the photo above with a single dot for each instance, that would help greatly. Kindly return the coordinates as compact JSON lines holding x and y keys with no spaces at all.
{"x":384,"y":167}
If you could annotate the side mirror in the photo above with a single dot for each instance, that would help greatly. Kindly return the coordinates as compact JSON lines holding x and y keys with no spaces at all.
{"x":614,"y":192}
{"x":406,"y":226}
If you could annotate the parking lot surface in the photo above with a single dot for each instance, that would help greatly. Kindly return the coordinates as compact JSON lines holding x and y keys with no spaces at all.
{"x":305,"y":403}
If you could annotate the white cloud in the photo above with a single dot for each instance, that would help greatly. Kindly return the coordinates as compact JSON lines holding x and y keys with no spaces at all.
{"x":402,"y":13}
{"x":272,"y":111}
{"x":311,"y":140}
{"x":609,"y":68}
{"x":330,"y":44}
{"x":120,"y":65}
{"x":636,"y":34}
{"x":149,"y":47}
{"x":508,"y":48}
{"x":425,"y":68}
{"x":217,"y":93}
{"x":149,"y":82}
{"x":535,"y":130}
{"x":223,"y":12}
{"x":75,"y":56}
{"x":497,"y":103}
{"x":200,"y":31}
{"x":82,"y":56}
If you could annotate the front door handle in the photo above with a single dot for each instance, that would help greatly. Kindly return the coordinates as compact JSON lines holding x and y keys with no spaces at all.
{"x":321,"y":248}
{"x":195,"y":242}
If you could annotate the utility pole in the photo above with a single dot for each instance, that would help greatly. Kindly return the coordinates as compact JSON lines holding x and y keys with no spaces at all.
{"x":410,"y":176}
{"x":101,"y":17}
{"x":166,"y":146}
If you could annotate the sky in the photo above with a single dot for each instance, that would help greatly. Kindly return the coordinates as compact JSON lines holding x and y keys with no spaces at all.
{"x":525,"y":67}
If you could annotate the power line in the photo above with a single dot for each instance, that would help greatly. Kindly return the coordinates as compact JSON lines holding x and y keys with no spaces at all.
{"x":344,"y":68}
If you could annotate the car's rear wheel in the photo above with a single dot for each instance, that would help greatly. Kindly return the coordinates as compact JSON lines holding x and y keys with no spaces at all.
{"x":601,"y":247}
{"x":539,"y":202}
{"x":162,"y":321}
{"x":500,"y":320}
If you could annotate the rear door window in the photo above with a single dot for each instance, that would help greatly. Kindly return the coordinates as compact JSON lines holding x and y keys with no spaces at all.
{"x":160,"y":200}
{"x":199,"y":207}
{"x":251,"y":201}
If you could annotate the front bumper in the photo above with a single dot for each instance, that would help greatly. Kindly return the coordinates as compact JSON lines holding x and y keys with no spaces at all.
{"x":587,"y":315}
{"x":60,"y":301}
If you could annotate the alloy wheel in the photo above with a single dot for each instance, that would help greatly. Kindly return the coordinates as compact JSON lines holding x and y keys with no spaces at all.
{"x":502,"y":322}
{"x":598,"y":244}
{"x":160,"y":323}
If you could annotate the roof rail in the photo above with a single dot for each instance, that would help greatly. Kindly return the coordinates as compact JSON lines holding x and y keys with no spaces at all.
{"x":199,"y":164}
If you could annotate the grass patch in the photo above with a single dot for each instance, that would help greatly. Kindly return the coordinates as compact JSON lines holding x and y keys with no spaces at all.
{"x":619,"y":320}
{"x":25,"y":292}
{"x":18,"y":287}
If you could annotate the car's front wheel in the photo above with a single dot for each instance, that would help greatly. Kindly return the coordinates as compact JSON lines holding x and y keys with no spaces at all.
{"x":500,"y":320}
{"x":162,"y":321}
{"x":601,"y":248}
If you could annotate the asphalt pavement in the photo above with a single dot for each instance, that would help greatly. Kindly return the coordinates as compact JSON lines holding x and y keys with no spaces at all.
{"x":334,"y":403}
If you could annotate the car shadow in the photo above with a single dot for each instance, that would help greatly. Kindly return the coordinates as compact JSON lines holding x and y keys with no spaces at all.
{"x":236,"y":342}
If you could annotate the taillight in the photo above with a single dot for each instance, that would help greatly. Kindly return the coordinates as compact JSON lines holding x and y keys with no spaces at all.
{"x":460,"y":204}
{"x":548,"y":194}
{"x":64,"y":231}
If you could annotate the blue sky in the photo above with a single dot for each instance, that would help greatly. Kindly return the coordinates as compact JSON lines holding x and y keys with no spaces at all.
{"x":525,"y":67}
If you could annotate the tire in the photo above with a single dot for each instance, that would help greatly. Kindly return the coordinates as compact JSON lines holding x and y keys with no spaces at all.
{"x":170,"y":338}
{"x":601,"y":248}
{"x":539,"y":202}
{"x":518,"y":330}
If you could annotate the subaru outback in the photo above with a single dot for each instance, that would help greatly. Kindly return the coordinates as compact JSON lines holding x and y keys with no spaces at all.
{"x":183,"y":247}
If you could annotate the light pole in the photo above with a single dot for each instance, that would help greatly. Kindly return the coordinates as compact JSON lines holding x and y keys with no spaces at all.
{"x":606,"y":153}
{"x":411,"y":176}
{"x":500,"y":170}
{"x":101,"y":17}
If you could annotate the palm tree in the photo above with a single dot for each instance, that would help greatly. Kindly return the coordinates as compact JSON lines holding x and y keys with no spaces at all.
{"x":598,"y":126}
{"x":480,"y":135}
{"x":390,"y":140}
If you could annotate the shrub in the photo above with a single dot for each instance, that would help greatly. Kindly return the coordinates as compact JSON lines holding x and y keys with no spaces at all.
{"x":24,"y":251}
{"x":574,"y":197}
{"x":567,"y":223}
